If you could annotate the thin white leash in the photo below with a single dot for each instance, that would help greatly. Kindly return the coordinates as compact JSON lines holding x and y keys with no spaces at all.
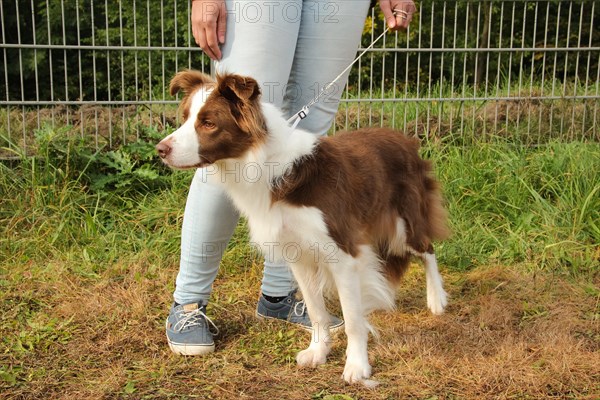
{"x":300,"y":115}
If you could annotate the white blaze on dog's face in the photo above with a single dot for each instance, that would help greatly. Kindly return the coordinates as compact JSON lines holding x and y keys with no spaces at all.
{"x":222,"y":120}
{"x":183,"y":149}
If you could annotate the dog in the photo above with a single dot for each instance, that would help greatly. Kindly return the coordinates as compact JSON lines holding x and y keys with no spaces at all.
{"x":347,"y":212}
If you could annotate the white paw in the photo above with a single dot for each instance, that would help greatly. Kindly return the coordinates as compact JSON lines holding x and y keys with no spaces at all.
{"x":437,"y":301}
{"x":357,"y":372}
{"x":311,"y":357}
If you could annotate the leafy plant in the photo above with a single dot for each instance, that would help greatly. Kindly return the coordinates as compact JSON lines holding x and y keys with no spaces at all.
{"x":132,"y":168}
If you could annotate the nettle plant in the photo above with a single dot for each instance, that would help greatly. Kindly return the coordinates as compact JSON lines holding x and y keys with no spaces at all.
{"x":130,"y":168}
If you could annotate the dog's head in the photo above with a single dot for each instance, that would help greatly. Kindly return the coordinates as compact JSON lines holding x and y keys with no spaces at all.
{"x":221,"y":120}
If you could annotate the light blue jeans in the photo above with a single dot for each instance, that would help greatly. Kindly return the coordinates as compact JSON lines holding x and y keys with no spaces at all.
{"x":293,"y":48}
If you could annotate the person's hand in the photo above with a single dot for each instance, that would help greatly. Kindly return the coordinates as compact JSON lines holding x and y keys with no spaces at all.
{"x":403,"y":9}
{"x":209,"y":20}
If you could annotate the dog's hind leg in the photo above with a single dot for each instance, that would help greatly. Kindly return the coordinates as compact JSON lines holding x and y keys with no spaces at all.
{"x":311,"y":286}
{"x":437,"y":299}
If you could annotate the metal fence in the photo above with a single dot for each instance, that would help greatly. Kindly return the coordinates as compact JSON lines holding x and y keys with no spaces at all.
{"x":519,"y":70}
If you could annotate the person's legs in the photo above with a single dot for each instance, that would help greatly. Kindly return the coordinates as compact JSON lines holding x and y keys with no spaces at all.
{"x":269,"y":41}
{"x":208,"y":223}
{"x":260,"y":43}
{"x":328,"y":40}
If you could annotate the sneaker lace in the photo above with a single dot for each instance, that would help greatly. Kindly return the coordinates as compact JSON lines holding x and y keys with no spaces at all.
{"x":193,"y":318}
{"x":302,"y":308}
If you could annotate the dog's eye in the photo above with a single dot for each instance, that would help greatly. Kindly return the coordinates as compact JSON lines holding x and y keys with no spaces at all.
{"x":208,"y":124}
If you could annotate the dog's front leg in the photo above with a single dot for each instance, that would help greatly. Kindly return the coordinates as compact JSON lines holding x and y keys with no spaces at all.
{"x":312,"y":292}
{"x":347,"y":281}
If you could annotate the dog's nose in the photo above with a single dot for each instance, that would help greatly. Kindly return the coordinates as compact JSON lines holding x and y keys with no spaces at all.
{"x":163,"y":149}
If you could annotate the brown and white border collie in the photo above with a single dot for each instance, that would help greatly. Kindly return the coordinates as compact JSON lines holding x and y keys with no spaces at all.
{"x":365,"y":194}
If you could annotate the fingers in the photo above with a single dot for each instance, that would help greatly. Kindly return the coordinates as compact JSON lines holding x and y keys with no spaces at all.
{"x":222,"y":23}
{"x":403,"y":10}
{"x":212,"y":42}
{"x":208,"y":26}
{"x":397,"y":13}
{"x":386,"y":8}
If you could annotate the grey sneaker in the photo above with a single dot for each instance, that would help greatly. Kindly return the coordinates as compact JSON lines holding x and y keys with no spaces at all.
{"x":293,"y":311}
{"x":188,"y":330}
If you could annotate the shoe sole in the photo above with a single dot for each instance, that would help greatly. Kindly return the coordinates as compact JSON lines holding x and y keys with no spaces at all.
{"x":184,"y":349}
{"x":334,"y":330}
{"x":191,"y":350}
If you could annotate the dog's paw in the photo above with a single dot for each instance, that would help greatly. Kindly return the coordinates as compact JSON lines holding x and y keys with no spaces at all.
{"x":437,"y":301}
{"x":311,"y":357}
{"x":358,"y":373}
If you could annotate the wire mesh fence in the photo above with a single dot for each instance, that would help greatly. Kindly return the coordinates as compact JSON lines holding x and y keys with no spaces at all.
{"x":521,"y":70}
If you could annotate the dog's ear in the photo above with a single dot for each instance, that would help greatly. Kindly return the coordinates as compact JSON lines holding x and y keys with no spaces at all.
{"x":187,"y":80}
{"x":236,"y":88}
{"x":242,"y":93}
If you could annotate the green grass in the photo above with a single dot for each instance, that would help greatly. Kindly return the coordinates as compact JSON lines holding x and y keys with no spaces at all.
{"x":89,"y":252}
{"x":516,"y":204}
{"x":507,"y":203}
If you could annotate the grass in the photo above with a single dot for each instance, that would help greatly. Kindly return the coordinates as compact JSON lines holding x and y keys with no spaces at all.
{"x":87,"y":271}
{"x":517,"y":204}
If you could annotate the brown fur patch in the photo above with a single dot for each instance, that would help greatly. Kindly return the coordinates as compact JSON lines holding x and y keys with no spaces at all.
{"x":243,"y":96}
{"x":395,"y":266}
{"x":363,"y":181}
{"x":188,"y":81}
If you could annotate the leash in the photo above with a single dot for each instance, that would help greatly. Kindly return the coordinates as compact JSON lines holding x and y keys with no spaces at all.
{"x":300,"y":115}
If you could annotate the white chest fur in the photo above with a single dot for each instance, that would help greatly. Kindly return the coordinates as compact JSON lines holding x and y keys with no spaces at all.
{"x":274,"y":226}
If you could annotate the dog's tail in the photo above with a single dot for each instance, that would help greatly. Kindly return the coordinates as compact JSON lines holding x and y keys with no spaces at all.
{"x":395,"y":266}
{"x":436,"y":214}
{"x":421,"y":220}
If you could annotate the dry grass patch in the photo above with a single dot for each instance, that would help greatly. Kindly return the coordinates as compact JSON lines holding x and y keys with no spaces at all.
{"x":506,"y":334}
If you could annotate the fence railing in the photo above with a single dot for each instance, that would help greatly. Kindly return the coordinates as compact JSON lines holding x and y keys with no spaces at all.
{"x":525,"y":70}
